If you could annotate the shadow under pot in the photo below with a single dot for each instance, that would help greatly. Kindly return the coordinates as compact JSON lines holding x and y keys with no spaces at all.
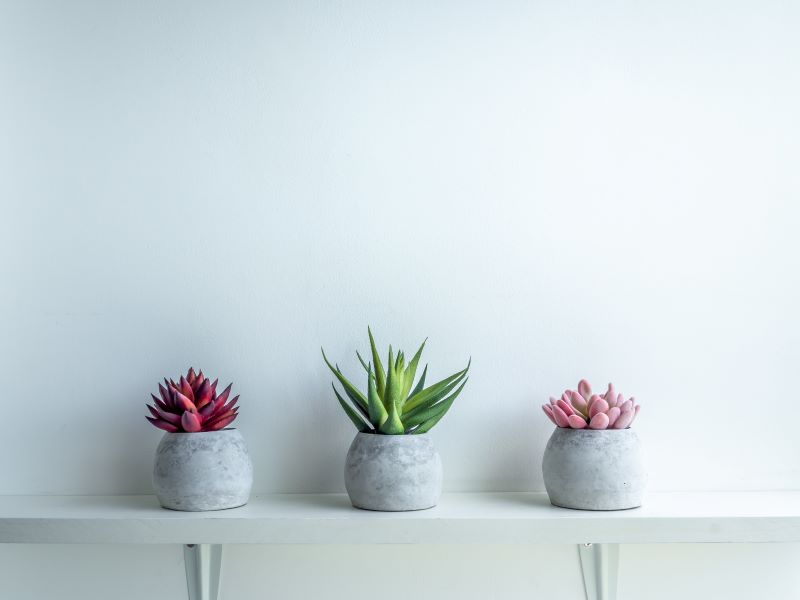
{"x":591,"y":469}
{"x":393,"y":472}
{"x":199,"y":471}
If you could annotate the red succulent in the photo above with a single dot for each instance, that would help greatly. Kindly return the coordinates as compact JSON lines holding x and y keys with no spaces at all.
{"x":192,"y":405}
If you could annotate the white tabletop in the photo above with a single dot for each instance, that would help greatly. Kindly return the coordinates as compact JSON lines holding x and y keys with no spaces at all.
{"x":468,"y":518}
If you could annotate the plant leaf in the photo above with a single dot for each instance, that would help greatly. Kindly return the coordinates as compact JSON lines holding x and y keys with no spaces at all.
{"x":410,"y":373}
{"x":361,"y":360}
{"x":431,"y":416}
{"x":416,"y":399}
{"x":377,"y":411}
{"x":421,"y":383}
{"x":354,"y":417}
{"x":430,"y":401}
{"x":380,"y":374}
{"x":352,"y":391}
{"x":393,"y":425}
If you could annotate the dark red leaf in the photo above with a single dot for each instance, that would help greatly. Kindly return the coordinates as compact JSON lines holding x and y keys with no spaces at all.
{"x":186,"y":389}
{"x":190,"y":422}
{"x":163,"y":425}
{"x":220,"y":423}
{"x":184,"y":403}
{"x":203,"y":395}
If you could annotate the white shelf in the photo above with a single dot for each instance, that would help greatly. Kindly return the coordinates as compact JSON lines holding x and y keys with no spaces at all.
{"x":459,"y":519}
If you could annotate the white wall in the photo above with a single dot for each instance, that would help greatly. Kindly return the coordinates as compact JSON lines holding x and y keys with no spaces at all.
{"x":557,"y":190}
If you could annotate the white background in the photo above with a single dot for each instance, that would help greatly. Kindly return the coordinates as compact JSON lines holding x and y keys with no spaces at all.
{"x":558,"y":190}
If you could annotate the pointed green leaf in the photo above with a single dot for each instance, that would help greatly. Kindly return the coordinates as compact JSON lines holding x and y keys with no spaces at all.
{"x":352,"y":392}
{"x":357,"y":421}
{"x":427,"y":425}
{"x":420,"y":384}
{"x":432,"y":399}
{"x":411,"y":372}
{"x":377,"y":411}
{"x":361,"y":360}
{"x":380,"y":374}
{"x":436,"y":412}
{"x":426,"y":394}
{"x":393,"y":425}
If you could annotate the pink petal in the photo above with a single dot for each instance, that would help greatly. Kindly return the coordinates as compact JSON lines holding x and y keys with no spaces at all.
{"x":598,"y":407}
{"x":579,"y":403}
{"x":577,"y":422}
{"x":613,"y":414}
{"x":610,"y":393}
{"x":585,"y":389}
{"x":549,"y":412}
{"x":624,"y":420}
{"x":627,"y":405}
{"x":565,"y":407}
{"x":599,"y":421}
{"x":553,"y":401}
{"x":190,"y":422}
{"x":560,"y":417}
{"x":635,"y":413}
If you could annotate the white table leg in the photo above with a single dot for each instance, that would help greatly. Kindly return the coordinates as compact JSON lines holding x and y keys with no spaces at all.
{"x":202,"y":563}
{"x":599,"y":565}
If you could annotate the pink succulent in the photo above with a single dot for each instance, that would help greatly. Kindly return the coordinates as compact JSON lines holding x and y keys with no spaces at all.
{"x":192,"y":405}
{"x":581,"y":409}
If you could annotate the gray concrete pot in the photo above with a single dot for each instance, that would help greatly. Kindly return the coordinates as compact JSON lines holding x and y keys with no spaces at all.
{"x":393,"y":472}
{"x":594,"y":469}
{"x":208,"y":470}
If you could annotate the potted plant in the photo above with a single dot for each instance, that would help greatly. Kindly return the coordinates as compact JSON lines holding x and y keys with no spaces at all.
{"x":392,"y":464}
{"x":593,"y":460}
{"x":201,"y":463}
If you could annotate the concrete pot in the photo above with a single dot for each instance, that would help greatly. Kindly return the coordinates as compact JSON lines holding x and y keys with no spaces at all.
{"x":592,"y":469}
{"x":393,"y":472}
{"x":208,"y":470}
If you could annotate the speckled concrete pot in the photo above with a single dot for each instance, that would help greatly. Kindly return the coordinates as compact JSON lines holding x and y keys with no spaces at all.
{"x":393,"y":472}
{"x":208,"y":470}
{"x":594,"y":469}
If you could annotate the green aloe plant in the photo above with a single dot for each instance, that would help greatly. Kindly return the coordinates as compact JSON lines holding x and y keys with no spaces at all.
{"x":393,"y":405}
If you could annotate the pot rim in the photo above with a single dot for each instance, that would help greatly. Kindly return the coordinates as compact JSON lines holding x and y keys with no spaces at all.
{"x":200,"y":432}
{"x":588,"y":430}
{"x":394,"y":435}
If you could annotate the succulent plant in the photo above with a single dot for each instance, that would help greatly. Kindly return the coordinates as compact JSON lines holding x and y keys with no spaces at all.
{"x":192,"y":405}
{"x":579,"y":409}
{"x":393,"y":405}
